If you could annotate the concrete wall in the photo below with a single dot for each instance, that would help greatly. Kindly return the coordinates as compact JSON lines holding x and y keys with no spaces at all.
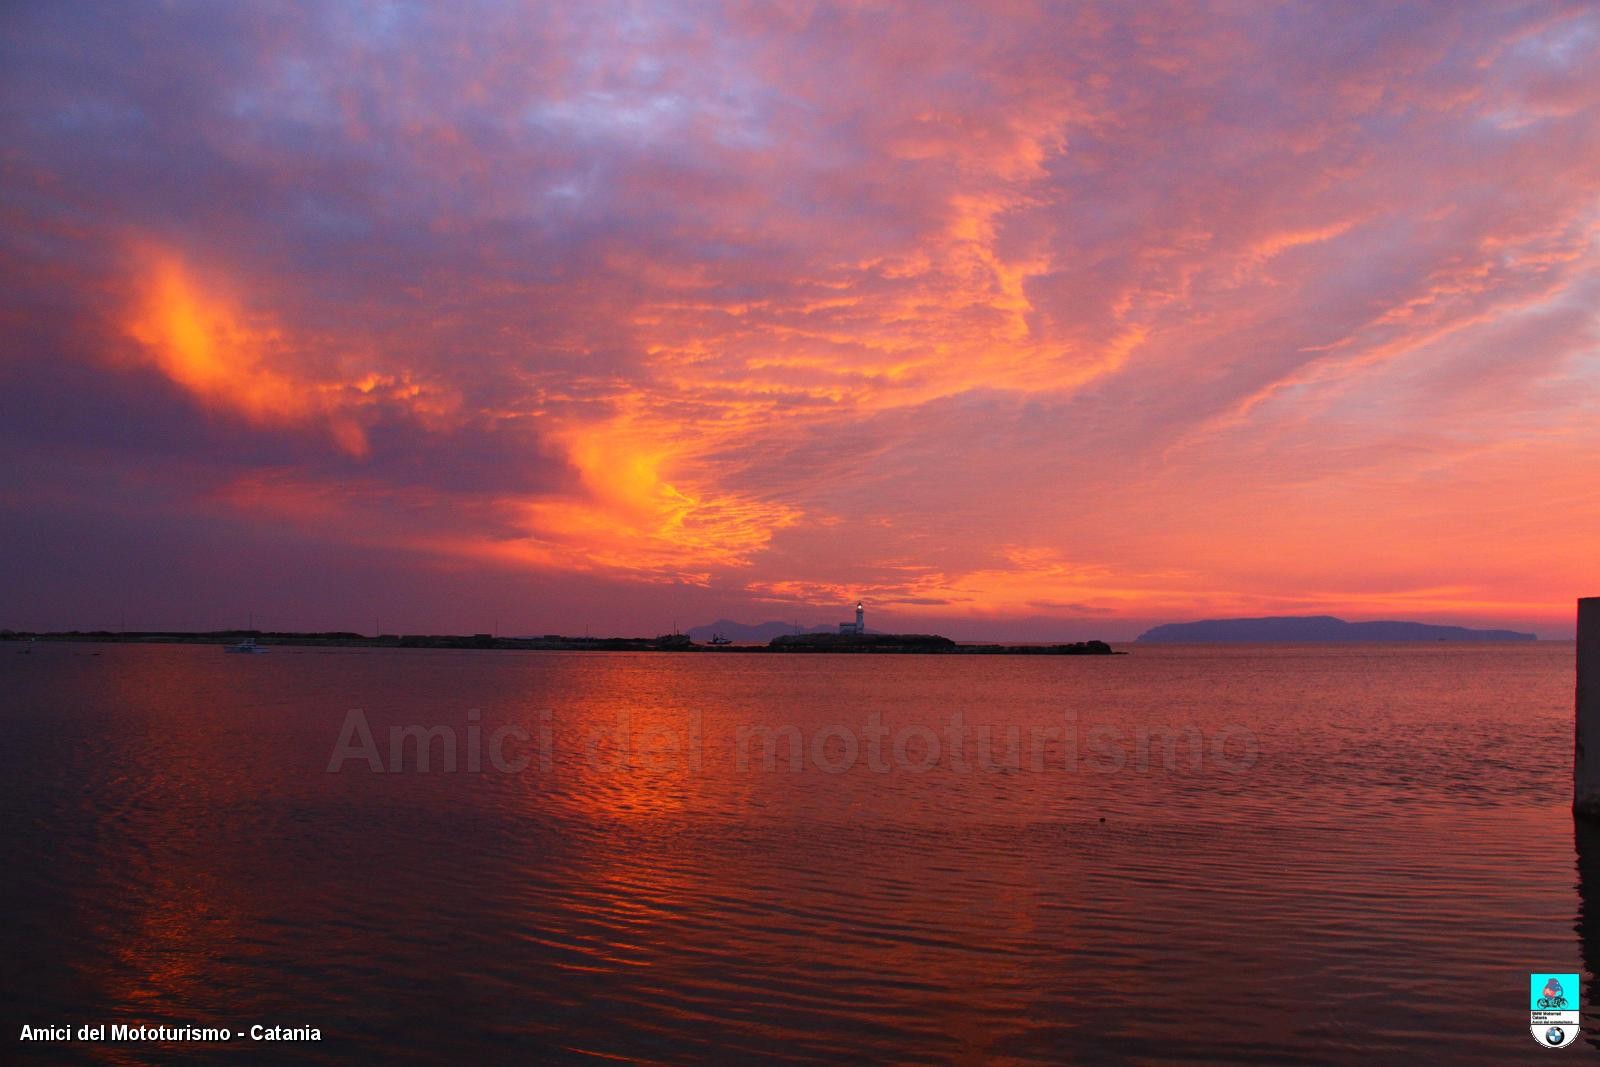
{"x":1586,"y":754}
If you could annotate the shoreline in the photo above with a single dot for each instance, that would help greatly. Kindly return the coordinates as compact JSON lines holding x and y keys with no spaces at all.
{"x":552,"y":643}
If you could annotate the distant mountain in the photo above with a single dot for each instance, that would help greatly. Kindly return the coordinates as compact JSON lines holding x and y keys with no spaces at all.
{"x":743,"y":634}
{"x":1316,"y":628}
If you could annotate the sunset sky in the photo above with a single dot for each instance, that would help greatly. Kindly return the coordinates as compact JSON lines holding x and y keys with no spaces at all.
{"x":1027,"y":321}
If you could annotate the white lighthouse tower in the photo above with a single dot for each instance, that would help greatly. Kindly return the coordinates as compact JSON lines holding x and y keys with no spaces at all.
{"x":857,"y":627}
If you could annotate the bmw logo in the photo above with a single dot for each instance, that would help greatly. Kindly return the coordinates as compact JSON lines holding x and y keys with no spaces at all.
{"x":1554,"y":1036}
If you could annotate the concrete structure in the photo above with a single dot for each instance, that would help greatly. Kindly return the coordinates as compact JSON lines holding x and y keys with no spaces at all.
{"x":857,"y":627}
{"x":1586,"y":754}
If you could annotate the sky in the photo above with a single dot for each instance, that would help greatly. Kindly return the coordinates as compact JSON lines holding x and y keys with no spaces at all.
{"x":1017,"y":321}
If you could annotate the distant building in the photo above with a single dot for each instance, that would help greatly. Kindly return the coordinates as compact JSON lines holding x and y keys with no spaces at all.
{"x":857,"y":627}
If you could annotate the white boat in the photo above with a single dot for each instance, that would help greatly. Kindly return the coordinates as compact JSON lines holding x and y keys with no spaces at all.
{"x":248,"y":646}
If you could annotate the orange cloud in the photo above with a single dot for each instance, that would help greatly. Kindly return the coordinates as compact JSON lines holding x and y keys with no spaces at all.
{"x":228,"y":360}
{"x":640,"y":508}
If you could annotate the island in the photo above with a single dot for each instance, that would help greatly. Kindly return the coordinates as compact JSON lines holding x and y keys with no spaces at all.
{"x":1315,"y":628}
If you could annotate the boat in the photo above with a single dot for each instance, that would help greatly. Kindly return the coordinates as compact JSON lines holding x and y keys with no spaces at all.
{"x":718,"y":639}
{"x":248,"y":646}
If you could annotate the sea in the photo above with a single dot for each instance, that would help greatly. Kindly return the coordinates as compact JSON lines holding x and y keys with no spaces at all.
{"x":1292,"y":854}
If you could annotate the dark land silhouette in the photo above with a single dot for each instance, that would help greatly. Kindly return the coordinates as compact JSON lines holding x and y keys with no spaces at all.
{"x":812,"y":642}
{"x":1316,"y":628}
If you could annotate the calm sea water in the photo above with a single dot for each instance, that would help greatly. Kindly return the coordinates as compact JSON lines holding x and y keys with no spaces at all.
{"x":1369,"y":855}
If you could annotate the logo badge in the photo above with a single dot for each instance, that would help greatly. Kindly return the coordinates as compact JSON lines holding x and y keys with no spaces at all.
{"x":1553,"y":1008}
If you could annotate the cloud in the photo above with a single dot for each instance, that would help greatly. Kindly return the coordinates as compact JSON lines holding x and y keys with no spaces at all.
{"x":1000,"y":310}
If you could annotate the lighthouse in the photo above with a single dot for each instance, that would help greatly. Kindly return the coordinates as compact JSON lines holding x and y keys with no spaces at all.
{"x":857,"y":627}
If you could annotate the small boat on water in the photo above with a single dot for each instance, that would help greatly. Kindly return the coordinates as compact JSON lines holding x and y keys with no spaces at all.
{"x":719,"y":640}
{"x":248,"y":647}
